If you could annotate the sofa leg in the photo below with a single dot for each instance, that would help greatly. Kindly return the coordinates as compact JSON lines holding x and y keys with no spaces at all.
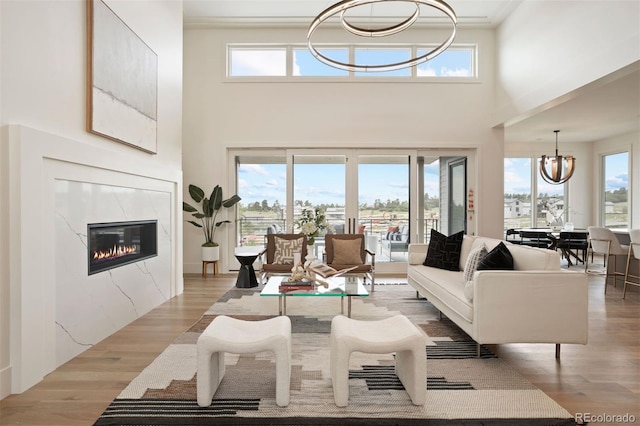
{"x":477,"y":350}
{"x":557,"y":350}
{"x":417,"y":294}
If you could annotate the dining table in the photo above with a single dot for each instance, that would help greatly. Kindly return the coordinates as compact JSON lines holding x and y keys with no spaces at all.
{"x":556,"y":237}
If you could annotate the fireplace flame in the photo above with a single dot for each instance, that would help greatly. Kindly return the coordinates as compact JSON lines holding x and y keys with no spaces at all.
{"x":114,"y":252}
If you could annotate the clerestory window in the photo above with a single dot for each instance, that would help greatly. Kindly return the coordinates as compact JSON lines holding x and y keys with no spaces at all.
{"x":295,"y":61}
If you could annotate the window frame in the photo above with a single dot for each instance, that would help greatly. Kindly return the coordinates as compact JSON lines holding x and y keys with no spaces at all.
{"x":602,"y":207}
{"x":352,"y":76}
{"x":534,"y":176}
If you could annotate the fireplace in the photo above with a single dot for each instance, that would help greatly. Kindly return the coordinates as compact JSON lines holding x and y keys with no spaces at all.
{"x":115,"y":244}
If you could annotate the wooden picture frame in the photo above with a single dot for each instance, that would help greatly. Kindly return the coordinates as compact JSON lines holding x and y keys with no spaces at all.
{"x":122,"y":81}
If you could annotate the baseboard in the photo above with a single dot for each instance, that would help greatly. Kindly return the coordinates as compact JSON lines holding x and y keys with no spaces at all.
{"x":5,"y":382}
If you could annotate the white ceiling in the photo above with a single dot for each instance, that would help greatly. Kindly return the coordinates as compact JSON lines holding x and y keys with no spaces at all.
{"x":477,"y":12}
{"x":603,"y":109}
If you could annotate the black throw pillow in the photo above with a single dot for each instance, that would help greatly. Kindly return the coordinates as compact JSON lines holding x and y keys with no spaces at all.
{"x":498,"y":258}
{"x":443,"y":251}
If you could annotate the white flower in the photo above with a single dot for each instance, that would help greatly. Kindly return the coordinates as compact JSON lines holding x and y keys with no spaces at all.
{"x":308,"y":228}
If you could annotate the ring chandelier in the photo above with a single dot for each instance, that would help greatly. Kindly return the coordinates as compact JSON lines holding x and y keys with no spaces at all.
{"x":344,"y":5}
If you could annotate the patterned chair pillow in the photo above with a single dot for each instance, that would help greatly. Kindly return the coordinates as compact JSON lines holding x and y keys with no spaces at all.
{"x":285,"y":249}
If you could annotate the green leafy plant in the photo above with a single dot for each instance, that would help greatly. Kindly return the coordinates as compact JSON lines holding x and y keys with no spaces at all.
{"x":311,"y":223}
{"x":210,"y":207}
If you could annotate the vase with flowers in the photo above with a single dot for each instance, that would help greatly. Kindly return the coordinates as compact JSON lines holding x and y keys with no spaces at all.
{"x":311,"y":223}
{"x":554,"y":216}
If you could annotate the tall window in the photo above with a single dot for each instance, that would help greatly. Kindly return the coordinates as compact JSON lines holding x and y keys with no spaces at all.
{"x":551,"y":209}
{"x":517,"y":193}
{"x":431,"y":195}
{"x":261,"y":184}
{"x":615,"y":191}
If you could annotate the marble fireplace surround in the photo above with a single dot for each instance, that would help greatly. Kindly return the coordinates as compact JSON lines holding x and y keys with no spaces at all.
{"x":57,"y":186}
{"x":92,"y":307}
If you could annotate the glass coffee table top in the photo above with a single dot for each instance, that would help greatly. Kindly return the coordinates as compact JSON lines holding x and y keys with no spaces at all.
{"x":343,"y":286}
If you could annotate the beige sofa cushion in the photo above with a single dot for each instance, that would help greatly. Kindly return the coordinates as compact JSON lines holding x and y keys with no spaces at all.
{"x":447,"y":286}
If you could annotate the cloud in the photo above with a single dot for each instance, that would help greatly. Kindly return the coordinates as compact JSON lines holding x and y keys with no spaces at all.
{"x":426,"y":72}
{"x":616,"y":182}
{"x":432,"y":188}
{"x":458,"y":72}
{"x":259,"y":62}
{"x":399,"y":185}
{"x":253,"y":168}
{"x":444,"y":72}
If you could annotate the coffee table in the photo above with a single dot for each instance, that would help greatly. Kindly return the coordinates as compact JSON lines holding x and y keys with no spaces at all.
{"x":343,"y":286}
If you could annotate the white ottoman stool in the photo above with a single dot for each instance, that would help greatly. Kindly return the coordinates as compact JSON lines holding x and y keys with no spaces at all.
{"x":395,"y":334}
{"x":226,"y":334}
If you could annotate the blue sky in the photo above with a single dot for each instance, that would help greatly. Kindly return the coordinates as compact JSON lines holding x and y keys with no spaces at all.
{"x":325,"y":183}
{"x":272,"y":62}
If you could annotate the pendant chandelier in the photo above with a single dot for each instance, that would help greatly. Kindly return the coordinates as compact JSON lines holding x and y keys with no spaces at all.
{"x":557,"y":169}
{"x":342,"y":6}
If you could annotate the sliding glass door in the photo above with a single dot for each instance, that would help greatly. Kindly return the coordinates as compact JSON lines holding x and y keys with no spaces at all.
{"x":393,"y":197}
{"x":319,"y":182}
{"x":383,"y":204}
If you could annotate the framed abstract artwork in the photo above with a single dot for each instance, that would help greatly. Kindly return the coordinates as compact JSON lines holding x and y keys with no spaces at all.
{"x":122,"y":84}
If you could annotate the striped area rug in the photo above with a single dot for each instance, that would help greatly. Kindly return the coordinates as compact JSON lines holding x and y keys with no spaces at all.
{"x":462,"y":388}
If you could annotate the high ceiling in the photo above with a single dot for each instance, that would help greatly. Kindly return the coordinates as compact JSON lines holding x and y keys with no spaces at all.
{"x":477,"y":12}
{"x":603,"y":109}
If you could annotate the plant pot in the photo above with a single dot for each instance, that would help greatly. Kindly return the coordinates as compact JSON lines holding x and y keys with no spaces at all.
{"x":209,"y":254}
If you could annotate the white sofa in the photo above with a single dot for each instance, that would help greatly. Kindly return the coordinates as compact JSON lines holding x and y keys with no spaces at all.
{"x":536,"y":303}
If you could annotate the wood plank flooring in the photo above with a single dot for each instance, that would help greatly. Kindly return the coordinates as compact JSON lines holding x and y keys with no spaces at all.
{"x":601,"y":378}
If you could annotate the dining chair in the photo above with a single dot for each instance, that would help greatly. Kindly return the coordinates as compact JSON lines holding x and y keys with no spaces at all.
{"x":534,"y":238}
{"x":512,"y":235}
{"x":634,"y":250}
{"x":573,"y":242}
{"x":603,"y":241}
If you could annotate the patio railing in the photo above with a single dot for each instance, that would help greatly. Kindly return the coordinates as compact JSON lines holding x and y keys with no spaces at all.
{"x":252,"y":230}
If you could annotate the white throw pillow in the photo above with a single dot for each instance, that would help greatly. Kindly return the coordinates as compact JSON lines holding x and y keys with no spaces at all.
{"x":475,"y":256}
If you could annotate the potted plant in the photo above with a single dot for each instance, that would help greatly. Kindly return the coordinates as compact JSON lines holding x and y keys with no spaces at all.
{"x":207,"y":217}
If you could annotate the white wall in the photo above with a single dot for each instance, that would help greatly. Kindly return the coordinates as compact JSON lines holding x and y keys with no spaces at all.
{"x":221,"y":114}
{"x":44,"y":71}
{"x":549,"y":48}
{"x":43,"y":137}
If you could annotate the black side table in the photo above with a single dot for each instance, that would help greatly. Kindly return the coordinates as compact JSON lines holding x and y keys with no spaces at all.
{"x":246,"y":275}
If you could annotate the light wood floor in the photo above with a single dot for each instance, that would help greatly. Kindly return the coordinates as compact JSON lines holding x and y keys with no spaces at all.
{"x":601,"y":378}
